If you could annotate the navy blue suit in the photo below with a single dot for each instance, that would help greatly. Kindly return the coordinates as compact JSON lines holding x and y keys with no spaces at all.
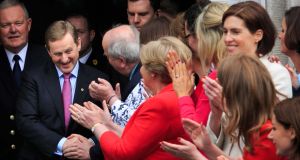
{"x":40,"y":111}
{"x":10,"y":139}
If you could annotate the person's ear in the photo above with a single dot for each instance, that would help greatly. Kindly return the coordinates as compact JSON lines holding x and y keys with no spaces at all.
{"x":92,"y":35}
{"x":122,"y":62}
{"x":157,"y":13}
{"x":292,"y":133}
{"x":48,"y":50}
{"x":153,"y":75}
{"x":258,"y":35}
{"x":29,"y":21}
{"x":79,"y":43}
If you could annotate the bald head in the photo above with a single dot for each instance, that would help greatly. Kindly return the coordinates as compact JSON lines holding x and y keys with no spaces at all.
{"x":121,"y":47}
{"x":121,"y":33}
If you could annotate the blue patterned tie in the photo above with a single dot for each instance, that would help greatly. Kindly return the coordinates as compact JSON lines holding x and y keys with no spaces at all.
{"x":17,"y":70}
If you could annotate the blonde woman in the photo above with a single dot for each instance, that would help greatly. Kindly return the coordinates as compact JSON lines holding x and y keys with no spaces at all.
{"x":211,"y":49}
{"x":157,"y":119}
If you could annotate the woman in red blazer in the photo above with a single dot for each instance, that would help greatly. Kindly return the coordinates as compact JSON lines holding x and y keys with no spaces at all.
{"x":157,"y":119}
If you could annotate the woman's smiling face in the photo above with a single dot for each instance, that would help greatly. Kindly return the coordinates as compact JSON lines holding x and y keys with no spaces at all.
{"x":238,"y":38}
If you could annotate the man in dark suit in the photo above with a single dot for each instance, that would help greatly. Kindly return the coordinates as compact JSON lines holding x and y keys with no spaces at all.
{"x":92,"y":55}
{"x":43,"y":116}
{"x":15,"y":25}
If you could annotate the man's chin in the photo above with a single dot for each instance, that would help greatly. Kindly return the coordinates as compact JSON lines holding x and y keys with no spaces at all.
{"x":65,"y":70}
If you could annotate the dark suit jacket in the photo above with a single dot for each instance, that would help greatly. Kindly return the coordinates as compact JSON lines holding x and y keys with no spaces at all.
{"x":40,"y":111}
{"x":99,"y":61}
{"x":10,"y":140}
{"x":136,"y":77}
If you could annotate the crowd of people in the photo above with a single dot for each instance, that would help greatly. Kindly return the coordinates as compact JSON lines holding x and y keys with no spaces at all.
{"x":193,"y":85}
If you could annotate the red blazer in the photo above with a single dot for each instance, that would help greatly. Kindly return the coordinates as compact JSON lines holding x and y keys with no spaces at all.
{"x":157,"y":119}
{"x":196,"y":106}
{"x":263,"y":147}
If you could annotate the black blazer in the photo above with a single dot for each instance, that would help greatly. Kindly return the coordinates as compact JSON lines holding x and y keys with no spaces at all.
{"x":10,"y":139}
{"x":40,"y":111}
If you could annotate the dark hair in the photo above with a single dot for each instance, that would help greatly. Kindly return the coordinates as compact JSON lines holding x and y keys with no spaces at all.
{"x":255,"y":17}
{"x":154,"y":4}
{"x":174,"y":7}
{"x":169,"y":6}
{"x":85,"y":16}
{"x":192,"y":13}
{"x":292,"y":35}
{"x":155,"y":28}
{"x":287,"y":114}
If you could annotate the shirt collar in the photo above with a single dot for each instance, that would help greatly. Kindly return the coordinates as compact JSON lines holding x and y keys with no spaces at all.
{"x":84,"y":58}
{"x":22,"y":54}
{"x":133,"y":71}
{"x":74,"y":72}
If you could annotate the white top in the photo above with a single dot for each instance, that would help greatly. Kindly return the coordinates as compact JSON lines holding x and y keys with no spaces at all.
{"x":283,"y":84}
{"x":280,"y":76}
{"x":122,"y":111}
{"x":224,"y":142}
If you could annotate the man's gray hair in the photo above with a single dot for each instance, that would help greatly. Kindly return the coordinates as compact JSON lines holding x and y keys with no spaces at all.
{"x":127,"y":47}
{"x":10,"y":3}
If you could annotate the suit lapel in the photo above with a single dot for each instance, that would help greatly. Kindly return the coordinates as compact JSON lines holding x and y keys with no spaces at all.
{"x":6,"y":73}
{"x":81,"y":91}
{"x":36,"y":56}
{"x":81,"y":85}
{"x":52,"y":84}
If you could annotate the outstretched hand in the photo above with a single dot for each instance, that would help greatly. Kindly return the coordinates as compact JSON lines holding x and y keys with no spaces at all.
{"x":197,"y":132}
{"x":274,"y":59}
{"x":90,"y":114}
{"x":101,"y":90}
{"x":185,"y":149}
{"x":294,"y":77}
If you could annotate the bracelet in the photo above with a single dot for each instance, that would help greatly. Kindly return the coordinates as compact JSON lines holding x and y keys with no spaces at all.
{"x":110,"y":98}
{"x":94,"y":127}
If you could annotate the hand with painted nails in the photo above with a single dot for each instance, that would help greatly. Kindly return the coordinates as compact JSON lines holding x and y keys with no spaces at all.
{"x":182,"y":78}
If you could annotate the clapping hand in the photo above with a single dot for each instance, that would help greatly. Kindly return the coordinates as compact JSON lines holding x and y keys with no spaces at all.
{"x":197,"y":132}
{"x":101,"y":90}
{"x":184,"y":150}
{"x":90,"y":114}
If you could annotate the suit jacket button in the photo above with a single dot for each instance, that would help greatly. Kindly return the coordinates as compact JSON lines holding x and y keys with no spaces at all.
{"x":12,"y":117}
{"x":12,"y":132}
{"x":13,"y":146}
